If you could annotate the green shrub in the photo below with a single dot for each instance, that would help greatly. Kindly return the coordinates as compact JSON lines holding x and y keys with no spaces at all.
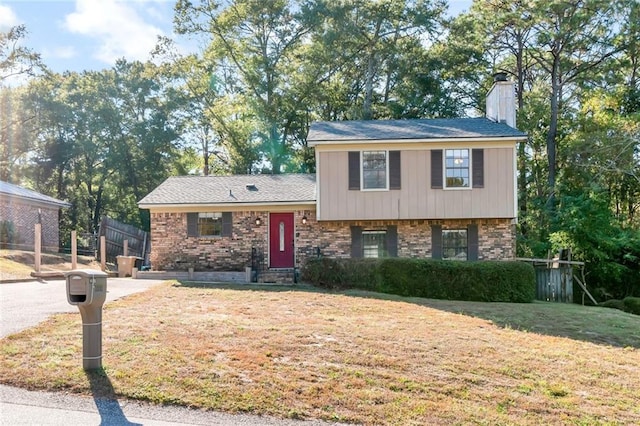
{"x":8,"y":233}
{"x":613,"y":303}
{"x":436,"y":279}
{"x":632,"y":305}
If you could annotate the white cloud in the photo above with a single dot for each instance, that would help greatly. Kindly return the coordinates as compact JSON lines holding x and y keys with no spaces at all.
{"x":8,"y":18}
{"x":118,"y":27}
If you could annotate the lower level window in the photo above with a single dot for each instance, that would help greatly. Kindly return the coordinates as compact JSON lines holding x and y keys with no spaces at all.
{"x":210,"y":224}
{"x":454,"y":244}
{"x":373,"y":243}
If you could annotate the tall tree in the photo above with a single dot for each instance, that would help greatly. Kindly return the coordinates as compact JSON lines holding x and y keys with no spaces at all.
{"x":213,"y":119}
{"x":376,"y":58}
{"x":15,"y":141}
{"x":572,"y":41}
{"x":16,"y":59}
{"x":257,"y":41}
{"x":105,"y":139}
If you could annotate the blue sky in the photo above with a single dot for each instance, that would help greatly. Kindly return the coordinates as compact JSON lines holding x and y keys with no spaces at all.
{"x":78,"y":35}
{"x":89,"y":34}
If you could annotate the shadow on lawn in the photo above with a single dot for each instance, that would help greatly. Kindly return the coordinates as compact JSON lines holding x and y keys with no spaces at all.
{"x":602,"y":326}
{"x":106,"y":400}
{"x":593,"y":324}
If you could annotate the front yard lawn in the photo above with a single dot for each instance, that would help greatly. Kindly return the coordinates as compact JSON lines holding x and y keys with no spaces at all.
{"x":347,"y":356}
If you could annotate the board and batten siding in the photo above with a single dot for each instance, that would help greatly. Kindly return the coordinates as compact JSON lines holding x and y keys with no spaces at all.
{"x":416,"y":199}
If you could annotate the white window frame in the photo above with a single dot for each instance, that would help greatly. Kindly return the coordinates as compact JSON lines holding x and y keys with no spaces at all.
{"x":444,"y":170}
{"x":386,"y":161}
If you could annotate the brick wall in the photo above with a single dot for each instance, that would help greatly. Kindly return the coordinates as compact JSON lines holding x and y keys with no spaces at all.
{"x":24,"y":216}
{"x":171,"y":249}
{"x":496,"y":237}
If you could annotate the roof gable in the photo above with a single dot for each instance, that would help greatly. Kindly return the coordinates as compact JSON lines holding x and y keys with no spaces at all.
{"x":404,"y":130}
{"x":16,"y":191}
{"x":236,"y":189}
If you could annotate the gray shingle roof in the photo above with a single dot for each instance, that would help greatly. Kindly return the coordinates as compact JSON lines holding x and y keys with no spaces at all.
{"x":10,"y":189}
{"x":439,"y":128}
{"x":211,"y":190}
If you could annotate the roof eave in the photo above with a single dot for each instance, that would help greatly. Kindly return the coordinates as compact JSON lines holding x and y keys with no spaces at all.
{"x":148,"y":205}
{"x":425,"y":140}
{"x":56,"y":203}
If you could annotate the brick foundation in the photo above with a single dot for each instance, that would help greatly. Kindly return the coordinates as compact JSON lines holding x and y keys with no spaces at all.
{"x":171,"y":249}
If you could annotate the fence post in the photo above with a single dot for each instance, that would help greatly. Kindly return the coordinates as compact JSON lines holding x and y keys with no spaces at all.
{"x":125,"y":248}
{"x":38,"y":246}
{"x":74,"y":250}
{"x":103,"y":253}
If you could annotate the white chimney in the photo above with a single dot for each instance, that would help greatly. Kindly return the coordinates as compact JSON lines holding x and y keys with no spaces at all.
{"x":501,"y":100}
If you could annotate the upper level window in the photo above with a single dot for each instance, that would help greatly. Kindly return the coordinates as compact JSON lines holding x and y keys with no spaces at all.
{"x":374,"y":170}
{"x":374,"y":243}
{"x":210,"y":224}
{"x":454,"y":244}
{"x":457,"y":168}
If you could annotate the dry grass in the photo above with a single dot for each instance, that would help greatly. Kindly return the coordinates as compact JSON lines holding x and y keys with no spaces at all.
{"x":18,"y":264}
{"x":353,"y":357}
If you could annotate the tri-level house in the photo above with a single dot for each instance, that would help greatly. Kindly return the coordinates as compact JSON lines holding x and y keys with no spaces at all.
{"x":438,"y":188}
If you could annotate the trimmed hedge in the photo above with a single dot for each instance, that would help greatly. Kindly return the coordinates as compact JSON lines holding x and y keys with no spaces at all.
{"x":632,"y":304}
{"x":628,"y":304}
{"x":485,"y":281}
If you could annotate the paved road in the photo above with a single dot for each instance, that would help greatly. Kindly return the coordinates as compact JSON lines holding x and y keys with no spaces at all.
{"x":22,"y":407}
{"x":24,"y":305}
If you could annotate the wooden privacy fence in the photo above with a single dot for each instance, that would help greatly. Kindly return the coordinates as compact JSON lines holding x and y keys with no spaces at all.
{"x":555,"y":278}
{"x":116,"y":233}
{"x":554,"y":285}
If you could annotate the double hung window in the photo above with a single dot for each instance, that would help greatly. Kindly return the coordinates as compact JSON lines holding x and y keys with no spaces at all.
{"x":454,"y":244}
{"x":457,"y":168}
{"x":209,"y":224}
{"x":374,"y":170}
{"x":374,"y":243}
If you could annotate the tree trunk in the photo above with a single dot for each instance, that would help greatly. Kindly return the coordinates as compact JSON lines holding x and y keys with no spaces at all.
{"x":367,"y":114}
{"x":522,"y":146}
{"x":553,"y":132}
{"x":205,"y":157}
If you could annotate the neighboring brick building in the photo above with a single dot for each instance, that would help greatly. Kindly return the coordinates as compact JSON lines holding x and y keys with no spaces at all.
{"x":443,"y":188}
{"x":24,"y":208}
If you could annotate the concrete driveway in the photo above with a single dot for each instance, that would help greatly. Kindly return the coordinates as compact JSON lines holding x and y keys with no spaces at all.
{"x":25,"y":304}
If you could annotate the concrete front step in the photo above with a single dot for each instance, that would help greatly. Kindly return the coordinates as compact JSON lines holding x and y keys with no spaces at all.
{"x":284,"y":276}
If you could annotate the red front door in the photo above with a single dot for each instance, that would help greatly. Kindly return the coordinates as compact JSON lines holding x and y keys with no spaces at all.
{"x":281,"y":240}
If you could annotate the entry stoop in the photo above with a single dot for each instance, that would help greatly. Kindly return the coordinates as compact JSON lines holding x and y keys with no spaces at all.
{"x":279,"y":276}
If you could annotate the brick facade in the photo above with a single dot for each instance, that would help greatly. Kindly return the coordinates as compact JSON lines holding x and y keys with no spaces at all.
{"x":172,"y":249}
{"x":24,"y":216}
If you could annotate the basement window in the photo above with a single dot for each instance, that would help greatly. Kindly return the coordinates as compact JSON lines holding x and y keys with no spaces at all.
{"x":454,"y":244}
{"x":374,"y":244}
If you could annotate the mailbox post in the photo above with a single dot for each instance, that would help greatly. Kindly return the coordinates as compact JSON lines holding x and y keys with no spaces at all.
{"x":87,"y":288}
